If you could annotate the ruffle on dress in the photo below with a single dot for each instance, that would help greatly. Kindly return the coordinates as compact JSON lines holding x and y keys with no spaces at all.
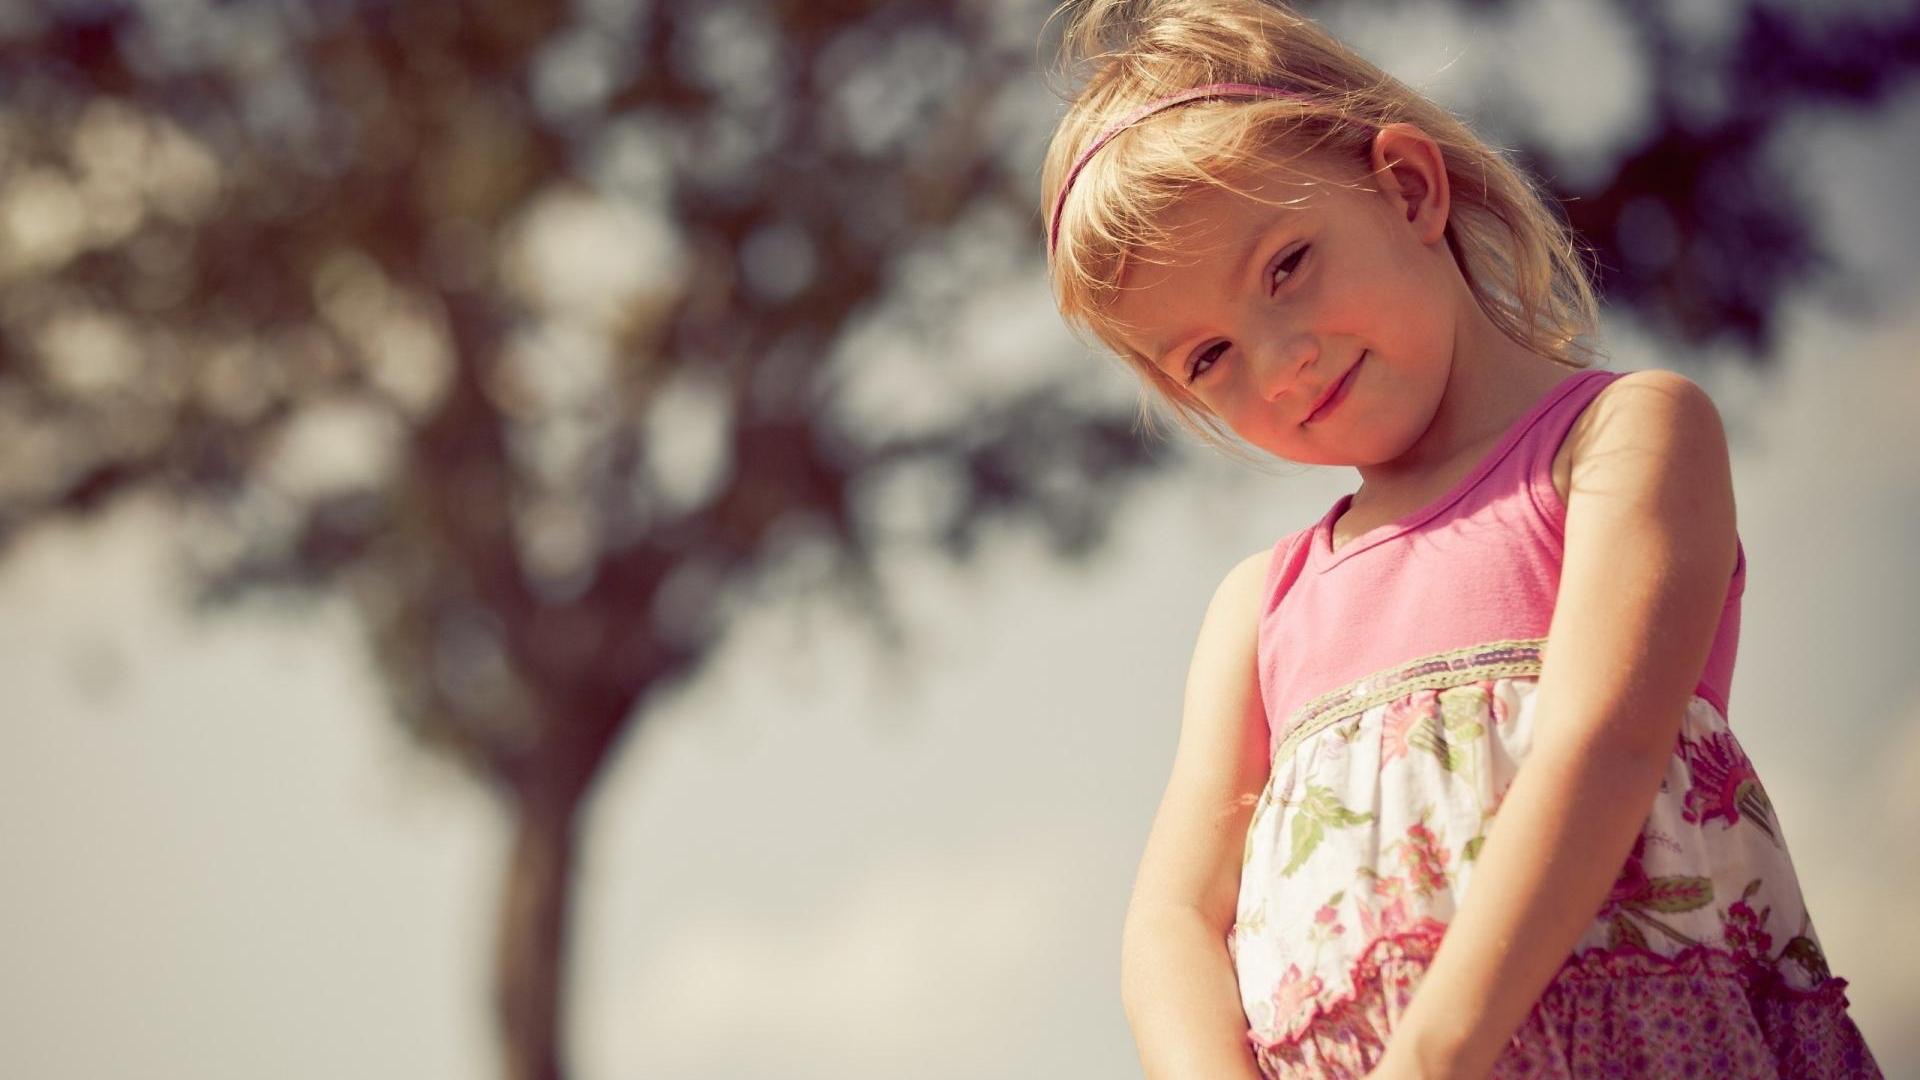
{"x":1628,"y":1012}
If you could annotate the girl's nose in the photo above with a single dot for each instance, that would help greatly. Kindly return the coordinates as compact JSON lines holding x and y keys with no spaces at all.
{"x":1277,"y":363}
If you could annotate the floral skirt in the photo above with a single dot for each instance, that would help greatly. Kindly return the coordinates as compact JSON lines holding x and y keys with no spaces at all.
{"x":1702,"y":961}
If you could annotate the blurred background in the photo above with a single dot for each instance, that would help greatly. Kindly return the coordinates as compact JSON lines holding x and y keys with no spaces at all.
{"x":566,"y":539}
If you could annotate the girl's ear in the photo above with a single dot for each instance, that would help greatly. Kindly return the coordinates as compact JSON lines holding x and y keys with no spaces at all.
{"x":1412,"y":174}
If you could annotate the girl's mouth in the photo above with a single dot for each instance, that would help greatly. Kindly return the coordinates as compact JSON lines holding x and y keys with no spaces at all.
{"x":1339,"y":393}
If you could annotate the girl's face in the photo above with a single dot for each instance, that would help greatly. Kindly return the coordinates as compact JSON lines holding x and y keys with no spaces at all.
{"x":1261,"y":305}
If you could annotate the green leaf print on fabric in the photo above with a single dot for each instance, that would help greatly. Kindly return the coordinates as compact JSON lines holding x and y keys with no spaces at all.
{"x":1752,"y":798}
{"x":1803,"y":951}
{"x":1447,"y":735}
{"x":1461,"y":706}
{"x":1636,"y":896}
{"x":1677,"y":893}
{"x":1621,"y":931}
{"x":1427,"y":735}
{"x":1317,"y":812}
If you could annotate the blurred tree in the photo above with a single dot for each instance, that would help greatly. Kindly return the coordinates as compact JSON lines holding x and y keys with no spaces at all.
{"x":553,"y":333}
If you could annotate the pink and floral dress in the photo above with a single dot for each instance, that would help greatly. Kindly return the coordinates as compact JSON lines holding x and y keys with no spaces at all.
{"x":1701,"y":962}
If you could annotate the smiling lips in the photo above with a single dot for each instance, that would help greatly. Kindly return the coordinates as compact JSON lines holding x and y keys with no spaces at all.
{"x":1335,"y":394}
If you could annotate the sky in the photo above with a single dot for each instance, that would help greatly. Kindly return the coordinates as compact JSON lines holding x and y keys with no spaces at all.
{"x":822,"y":861}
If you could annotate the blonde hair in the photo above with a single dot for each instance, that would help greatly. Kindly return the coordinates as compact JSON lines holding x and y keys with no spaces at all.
{"x":1524,"y":266}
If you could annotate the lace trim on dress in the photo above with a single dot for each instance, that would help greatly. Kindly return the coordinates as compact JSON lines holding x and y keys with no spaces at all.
{"x":1489,"y":660}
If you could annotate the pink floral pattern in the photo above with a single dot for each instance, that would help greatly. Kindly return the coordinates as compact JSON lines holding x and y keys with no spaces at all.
{"x":1294,"y":991}
{"x":1326,"y":921}
{"x":1724,"y":783}
{"x":1745,"y":931}
{"x":1701,"y":961}
{"x":1424,"y":859}
{"x":1400,"y":717}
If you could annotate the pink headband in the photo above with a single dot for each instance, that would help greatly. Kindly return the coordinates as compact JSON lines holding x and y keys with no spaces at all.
{"x":1211,"y":90}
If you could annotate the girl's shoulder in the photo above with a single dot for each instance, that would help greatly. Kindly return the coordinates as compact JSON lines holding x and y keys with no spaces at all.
{"x":1641,"y":407}
{"x":1249,"y":574}
{"x":1649,"y":453}
{"x":1259,"y":575}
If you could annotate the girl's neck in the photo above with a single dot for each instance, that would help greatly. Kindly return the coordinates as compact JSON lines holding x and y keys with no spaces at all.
{"x":1491,"y":383}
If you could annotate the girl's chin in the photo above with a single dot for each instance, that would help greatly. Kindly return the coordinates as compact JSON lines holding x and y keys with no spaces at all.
{"x":1298,"y":455}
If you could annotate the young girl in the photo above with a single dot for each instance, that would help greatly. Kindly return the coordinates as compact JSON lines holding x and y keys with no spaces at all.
{"x":1455,"y":793}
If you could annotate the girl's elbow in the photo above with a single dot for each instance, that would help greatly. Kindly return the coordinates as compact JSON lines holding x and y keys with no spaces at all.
{"x":1151,"y":938}
{"x":1139,"y":940}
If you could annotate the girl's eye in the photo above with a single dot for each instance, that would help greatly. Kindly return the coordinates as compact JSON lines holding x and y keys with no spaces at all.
{"x":1205,"y":360}
{"x":1206,"y":357}
{"x":1290,"y":263}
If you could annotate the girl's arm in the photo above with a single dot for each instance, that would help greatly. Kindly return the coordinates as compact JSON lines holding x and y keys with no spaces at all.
{"x":1650,"y":547}
{"x":1177,"y":980}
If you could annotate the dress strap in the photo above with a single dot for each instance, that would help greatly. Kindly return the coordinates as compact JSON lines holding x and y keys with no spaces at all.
{"x":1283,"y":567}
{"x":1543,"y":439}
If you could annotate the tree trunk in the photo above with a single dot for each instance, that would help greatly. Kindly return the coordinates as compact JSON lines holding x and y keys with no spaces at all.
{"x":531,"y":962}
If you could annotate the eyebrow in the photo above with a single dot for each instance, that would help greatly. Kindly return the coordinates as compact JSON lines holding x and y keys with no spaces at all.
{"x":1247,"y":255}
